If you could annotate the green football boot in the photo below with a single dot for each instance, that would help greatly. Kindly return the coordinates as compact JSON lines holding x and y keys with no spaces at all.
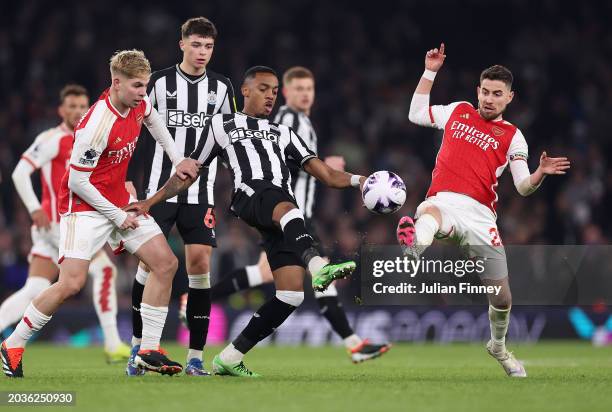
{"x":237,"y":369}
{"x":330,"y":272}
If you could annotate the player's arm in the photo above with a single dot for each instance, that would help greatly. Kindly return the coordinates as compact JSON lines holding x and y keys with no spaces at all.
{"x":41,"y":152}
{"x":185,"y":168}
{"x":525,"y":182}
{"x":299,"y":151}
{"x":331,"y":177}
{"x":23,"y":184}
{"x":203,"y":154}
{"x":85,"y":156}
{"x":419,"y":106}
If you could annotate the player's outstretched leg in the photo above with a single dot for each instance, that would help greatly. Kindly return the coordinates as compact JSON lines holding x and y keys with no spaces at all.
{"x":359,"y":350}
{"x":104,"y":273}
{"x":323,"y":273}
{"x":499,"y":319}
{"x":156,"y":254}
{"x":243,"y":279}
{"x":416,"y":237}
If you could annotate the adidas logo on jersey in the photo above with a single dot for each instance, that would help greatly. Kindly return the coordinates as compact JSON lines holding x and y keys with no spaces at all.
{"x":241,"y":133}
{"x":179,"y":118}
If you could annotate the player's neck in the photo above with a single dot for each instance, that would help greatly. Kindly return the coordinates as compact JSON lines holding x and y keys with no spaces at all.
{"x":190,"y":70}
{"x":123,"y":109}
{"x":252,"y":113}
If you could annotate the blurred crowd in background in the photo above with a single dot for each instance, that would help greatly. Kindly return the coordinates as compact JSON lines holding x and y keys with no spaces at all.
{"x":367,"y":61}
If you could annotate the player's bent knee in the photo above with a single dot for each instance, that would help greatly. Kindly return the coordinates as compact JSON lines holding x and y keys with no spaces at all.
{"x":198,"y":258}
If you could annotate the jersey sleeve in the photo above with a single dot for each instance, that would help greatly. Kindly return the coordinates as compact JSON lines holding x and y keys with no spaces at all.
{"x":297,"y":150}
{"x":229,"y":102}
{"x":209,"y":147}
{"x":144,"y":149}
{"x":518,"y":149}
{"x":439,"y":114}
{"x":42,"y":150}
{"x":89,"y":143}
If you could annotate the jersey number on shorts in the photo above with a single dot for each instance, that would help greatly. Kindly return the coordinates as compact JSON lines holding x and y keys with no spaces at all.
{"x":209,"y":219}
{"x":495,"y":240}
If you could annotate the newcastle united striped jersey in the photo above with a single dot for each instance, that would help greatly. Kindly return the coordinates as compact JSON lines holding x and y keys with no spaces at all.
{"x":304,"y":185}
{"x":185,"y":102}
{"x":254,"y":149}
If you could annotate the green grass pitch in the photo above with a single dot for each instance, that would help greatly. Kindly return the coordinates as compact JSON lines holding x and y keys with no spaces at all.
{"x":562,"y":377}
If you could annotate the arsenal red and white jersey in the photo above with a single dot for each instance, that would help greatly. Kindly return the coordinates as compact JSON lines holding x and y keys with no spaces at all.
{"x":50,"y":152}
{"x":474,"y":152}
{"x":103,"y":144}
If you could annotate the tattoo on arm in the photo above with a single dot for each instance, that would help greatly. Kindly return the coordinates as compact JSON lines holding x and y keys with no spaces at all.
{"x":174,"y":186}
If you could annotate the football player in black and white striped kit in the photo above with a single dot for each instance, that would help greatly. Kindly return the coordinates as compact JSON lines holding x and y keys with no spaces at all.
{"x":185,"y":95}
{"x":299,"y":93}
{"x":256,"y":151}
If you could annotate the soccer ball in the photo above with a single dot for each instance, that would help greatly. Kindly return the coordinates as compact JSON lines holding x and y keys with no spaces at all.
{"x":384,"y":192}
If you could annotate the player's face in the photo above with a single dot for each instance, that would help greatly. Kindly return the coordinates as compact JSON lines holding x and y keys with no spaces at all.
{"x":493,"y":97}
{"x":73,"y":108}
{"x":300,"y":93}
{"x":260,"y":94}
{"x":197,"y":50}
{"x":131,"y":91}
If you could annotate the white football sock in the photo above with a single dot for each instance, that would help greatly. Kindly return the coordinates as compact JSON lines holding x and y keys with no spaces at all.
{"x":141,"y":275}
{"x":199,"y":281}
{"x":104,"y":273}
{"x":426,"y":227}
{"x":192,"y":353}
{"x":32,"y":321}
{"x":499,"y":319}
{"x":352,"y":341}
{"x":231,"y":355}
{"x":254,"y":275}
{"x":153,"y":321}
{"x":136,"y":341}
{"x":13,"y":307}
{"x":315,"y":264}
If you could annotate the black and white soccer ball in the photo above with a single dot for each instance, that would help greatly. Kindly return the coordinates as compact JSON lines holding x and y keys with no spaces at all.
{"x":384,"y":192}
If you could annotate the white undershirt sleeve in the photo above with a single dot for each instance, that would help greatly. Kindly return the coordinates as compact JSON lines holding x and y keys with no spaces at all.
{"x":419,"y":110}
{"x":522,"y":177}
{"x":160,"y":133}
{"x":78,"y":182}
{"x":23,"y":184}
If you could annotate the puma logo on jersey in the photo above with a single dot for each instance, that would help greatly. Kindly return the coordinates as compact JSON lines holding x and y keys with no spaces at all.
{"x":170,"y":95}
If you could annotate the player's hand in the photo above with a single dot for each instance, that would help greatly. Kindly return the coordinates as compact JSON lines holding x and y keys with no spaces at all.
{"x":188,"y":168}
{"x":335,"y":162}
{"x":434,"y":58}
{"x":138,"y":208}
{"x":40,"y":219}
{"x":130,"y":222}
{"x":131,"y":189}
{"x":553,"y":165}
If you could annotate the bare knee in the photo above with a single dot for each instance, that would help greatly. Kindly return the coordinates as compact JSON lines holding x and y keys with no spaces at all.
{"x":198,"y":259}
{"x":71,"y":285}
{"x":165,"y":266}
{"x":281,"y":209}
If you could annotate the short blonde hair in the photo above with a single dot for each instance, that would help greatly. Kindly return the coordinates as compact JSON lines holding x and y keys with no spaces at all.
{"x":130,"y":63}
